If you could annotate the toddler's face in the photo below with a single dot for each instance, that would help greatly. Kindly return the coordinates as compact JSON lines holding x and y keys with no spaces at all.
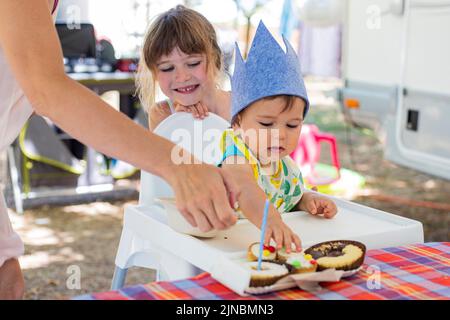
{"x":270,"y":132}
{"x":182,"y":78}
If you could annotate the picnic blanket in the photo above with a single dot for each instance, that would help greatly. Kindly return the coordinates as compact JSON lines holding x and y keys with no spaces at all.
{"x":420,"y":271}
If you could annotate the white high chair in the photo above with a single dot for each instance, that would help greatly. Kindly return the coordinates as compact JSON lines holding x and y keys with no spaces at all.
{"x":147,"y":240}
{"x":201,"y":139}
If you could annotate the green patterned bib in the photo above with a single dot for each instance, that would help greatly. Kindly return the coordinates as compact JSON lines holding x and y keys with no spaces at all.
{"x":284,"y":188}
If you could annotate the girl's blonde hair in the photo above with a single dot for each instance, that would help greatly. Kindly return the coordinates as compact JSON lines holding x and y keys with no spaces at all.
{"x":178,"y":27}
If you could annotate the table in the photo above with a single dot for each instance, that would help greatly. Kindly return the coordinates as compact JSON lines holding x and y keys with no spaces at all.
{"x":420,"y":271}
{"x":101,"y":82}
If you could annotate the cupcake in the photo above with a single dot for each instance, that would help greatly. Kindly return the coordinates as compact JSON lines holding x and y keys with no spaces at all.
{"x":270,"y":273}
{"x":338,"y":254}
{"x":301,"y":263}
{"x":282,"y":255}
{"x":269,"y":253}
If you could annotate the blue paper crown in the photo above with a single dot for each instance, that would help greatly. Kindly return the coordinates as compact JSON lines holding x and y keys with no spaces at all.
{"x":268,"y":71}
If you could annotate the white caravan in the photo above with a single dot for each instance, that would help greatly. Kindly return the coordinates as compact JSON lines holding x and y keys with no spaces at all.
{"x":396,"y":70}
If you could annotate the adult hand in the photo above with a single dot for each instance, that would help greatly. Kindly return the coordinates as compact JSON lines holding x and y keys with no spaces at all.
{"x":204,"y":195}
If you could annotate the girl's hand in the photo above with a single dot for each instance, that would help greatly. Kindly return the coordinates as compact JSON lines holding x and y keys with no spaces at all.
{"x":198,"y":110}
{"x":283,"y":236}
{"x":317,"y":204}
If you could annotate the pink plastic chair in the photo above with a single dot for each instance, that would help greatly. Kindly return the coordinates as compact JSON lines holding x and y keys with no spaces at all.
{"x":307,"y":155}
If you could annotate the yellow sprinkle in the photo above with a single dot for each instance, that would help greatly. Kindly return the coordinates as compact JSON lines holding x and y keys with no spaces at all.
{"x":308,"y":257}
{"x":266,"y":253}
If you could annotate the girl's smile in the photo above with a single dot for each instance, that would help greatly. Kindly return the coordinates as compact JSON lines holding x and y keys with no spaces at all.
{"x":187,"y":89}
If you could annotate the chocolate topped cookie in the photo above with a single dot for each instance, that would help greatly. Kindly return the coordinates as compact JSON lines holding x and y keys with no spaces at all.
{"x":338,"y":254}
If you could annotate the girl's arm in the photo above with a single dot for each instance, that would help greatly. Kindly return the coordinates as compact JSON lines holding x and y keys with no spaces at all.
{"x":198,"y":110}
{"x":252,"y":202}
{"x":157,"y":113}
{"x":30,"y":43}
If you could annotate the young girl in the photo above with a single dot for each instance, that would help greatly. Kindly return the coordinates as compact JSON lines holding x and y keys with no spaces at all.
{"x":269,"y":103}
{"x":181,"y":55}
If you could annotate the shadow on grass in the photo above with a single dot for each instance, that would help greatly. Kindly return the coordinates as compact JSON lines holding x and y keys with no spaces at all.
{"x":85,"y":236}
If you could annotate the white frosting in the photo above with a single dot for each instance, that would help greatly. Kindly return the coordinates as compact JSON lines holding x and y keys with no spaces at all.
{"x":300,"y":257}
{"x":267,"y":269}
{"x":255,"y":251}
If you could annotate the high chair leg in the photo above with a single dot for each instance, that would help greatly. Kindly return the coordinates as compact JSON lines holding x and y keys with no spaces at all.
{"x":119,"y":278}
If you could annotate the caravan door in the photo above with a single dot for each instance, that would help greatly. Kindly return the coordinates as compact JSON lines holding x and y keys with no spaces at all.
{"x":397,"y":67}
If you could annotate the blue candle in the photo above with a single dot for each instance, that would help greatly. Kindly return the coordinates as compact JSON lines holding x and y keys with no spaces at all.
{"x":263,"y":231}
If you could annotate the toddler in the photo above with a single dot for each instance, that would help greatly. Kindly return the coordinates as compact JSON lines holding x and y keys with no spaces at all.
{"x":269,"y":103}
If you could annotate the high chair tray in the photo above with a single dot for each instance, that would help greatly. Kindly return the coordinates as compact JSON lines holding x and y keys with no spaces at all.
{"x":375,"y":228}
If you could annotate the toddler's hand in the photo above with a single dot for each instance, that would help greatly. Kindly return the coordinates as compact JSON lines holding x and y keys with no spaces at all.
{"x":283,"y":236}
{"x":198,"y":110}
{"x":317,"y":204}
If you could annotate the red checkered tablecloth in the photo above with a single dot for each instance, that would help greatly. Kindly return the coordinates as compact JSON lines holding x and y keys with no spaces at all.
{"x":419,"y":271}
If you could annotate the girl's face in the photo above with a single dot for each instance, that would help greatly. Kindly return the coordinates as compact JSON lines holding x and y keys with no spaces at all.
{"x":270,"y":132}
{"x":183,"y":78}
